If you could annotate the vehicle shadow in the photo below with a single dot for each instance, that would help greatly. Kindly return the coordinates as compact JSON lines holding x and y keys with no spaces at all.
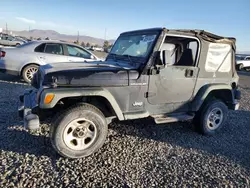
{"x":16,"y":139}
{"x":231,"y":142}
{"x":11,"y":79}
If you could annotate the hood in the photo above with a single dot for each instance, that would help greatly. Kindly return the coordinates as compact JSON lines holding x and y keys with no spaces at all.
{"x":95,"y":73}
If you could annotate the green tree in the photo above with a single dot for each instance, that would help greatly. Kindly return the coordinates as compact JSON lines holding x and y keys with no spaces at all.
{"x":83,"y":44}
{"x":96,"y":45}
{"x":106,"y":44}
{"x":87,"y":45}
{"x":76,"y":42}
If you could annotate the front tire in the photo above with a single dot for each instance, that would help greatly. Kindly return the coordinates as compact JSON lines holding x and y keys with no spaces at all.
{"x":211,"y":117}
{"x":247,"y":69}
{"x":240,"y":67}
{"x":28,"y":72}
{"x":79,"y":132}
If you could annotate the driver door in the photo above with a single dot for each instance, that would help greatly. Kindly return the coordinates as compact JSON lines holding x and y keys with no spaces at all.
{"x":172,"y":87}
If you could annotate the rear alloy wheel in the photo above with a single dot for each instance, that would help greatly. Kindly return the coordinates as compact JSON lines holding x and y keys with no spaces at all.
{"x":28,"y":72}
{"x":79,"y":132}
{"x":211,"y":117}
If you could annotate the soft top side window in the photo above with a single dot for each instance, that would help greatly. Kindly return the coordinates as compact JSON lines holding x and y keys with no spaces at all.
{"x":193,"y":45}
{"x":180,"y":51}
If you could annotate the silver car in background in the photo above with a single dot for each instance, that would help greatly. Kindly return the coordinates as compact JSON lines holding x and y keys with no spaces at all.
{"x":8,"y":40}
{"x":25,"y":59}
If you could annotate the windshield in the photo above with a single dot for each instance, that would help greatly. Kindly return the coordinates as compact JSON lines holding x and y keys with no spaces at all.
{"x":138,"y":45}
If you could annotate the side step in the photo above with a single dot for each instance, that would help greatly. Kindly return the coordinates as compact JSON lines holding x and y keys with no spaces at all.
{"x":172,"y":118}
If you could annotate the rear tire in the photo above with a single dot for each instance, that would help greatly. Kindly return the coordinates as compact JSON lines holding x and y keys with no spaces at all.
{"x":28,"y":72}
{"x":79,"y":131}
{"x":211,"y":117}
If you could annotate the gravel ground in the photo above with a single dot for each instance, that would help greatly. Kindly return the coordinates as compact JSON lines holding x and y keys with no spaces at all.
{"x":100,"y":54}
{"x":136,"y":153}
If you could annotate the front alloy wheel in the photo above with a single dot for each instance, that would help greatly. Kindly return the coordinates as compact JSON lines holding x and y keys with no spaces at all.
{"x":79,"y":131}
{"x":28,"y":72}
{"x":241,"y":66}
{"x":79,"y":134}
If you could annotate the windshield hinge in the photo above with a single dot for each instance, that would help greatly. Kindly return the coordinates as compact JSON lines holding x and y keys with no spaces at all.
{"x":154,"y":71}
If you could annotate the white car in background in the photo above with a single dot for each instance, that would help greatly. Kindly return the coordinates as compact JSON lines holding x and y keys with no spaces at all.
{"x":25,"y":59}
{"x":243,"y":63}
{"x":8,"y":40}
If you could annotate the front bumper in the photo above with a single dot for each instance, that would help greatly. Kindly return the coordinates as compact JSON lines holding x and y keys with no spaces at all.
{"x":27,"y":102}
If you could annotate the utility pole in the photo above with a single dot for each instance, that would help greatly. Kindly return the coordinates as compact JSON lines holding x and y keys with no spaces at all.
{"x":105,"y":35}
{"x":6,"y":28}
{"x":77,"y":37}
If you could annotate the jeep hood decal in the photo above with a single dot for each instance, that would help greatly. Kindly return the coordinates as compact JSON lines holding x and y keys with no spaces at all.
{"x":97,"y":73}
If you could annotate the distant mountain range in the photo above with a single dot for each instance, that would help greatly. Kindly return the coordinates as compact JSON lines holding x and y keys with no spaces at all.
{"x":36,"y":33}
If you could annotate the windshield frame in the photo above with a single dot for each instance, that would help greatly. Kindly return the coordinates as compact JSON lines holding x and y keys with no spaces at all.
{"x":135,"y":59}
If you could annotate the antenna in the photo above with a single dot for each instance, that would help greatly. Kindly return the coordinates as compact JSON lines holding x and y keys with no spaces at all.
{"x":6,"y":28}
{"x":105,"y":35}
{"x":77,"y":37}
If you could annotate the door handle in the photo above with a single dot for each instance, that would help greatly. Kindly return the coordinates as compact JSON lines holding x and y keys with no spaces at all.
{"x":41,"y":57}
{"x":189,"y":73}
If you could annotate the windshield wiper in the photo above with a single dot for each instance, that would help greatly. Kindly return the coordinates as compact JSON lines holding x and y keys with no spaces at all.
{"x":129,"y":58}
{"x":113,"y":55}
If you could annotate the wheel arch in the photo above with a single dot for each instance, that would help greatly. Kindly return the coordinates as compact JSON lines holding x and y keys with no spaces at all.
{"x":219,"y":91}
{"x":100,"y":98}
{"x":25,"y":65}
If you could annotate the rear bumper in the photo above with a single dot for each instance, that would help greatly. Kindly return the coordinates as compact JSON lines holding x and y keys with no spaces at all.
{"x":27,"y":102}
{"x":236,"y":96}
{"x":235,"y":105}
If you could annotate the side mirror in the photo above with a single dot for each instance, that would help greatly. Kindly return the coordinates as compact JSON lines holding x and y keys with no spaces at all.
{"x":161,"y":58}
{"x":165,"y":57}
{"x":92,"y":57}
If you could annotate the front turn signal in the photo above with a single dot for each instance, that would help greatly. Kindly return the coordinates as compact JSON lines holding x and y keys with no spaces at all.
{"x":48,"y":98}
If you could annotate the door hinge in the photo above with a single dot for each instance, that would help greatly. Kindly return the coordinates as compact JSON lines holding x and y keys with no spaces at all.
{"x":149,"y":94}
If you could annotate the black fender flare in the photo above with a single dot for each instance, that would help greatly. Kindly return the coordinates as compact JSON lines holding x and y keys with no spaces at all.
{"x":206,"y":90}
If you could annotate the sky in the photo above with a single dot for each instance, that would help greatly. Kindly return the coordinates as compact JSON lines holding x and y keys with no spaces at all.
{"x":93,"y":17}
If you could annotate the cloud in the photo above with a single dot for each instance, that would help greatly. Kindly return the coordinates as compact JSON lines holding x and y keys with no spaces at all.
{"x":26,"y":20}
{"x":53,"y":25}
{"x":49,"y":24}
